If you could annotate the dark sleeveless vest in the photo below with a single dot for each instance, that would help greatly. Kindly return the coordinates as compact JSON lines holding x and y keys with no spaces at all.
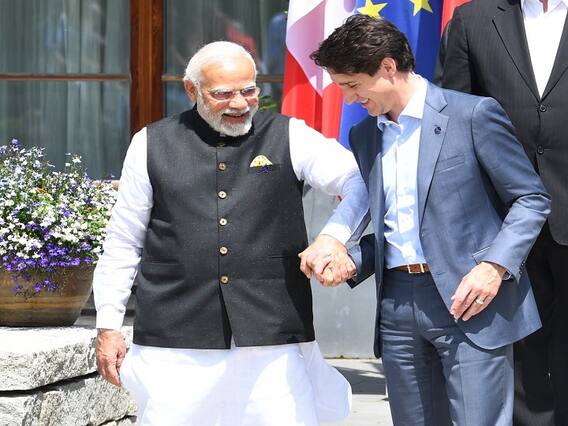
{"x":220,"y":258}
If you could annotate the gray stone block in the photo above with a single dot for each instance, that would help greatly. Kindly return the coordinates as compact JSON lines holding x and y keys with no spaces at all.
{"x":34,"y":357}
{"x":90,"y":401}
{"x":19,"y":410}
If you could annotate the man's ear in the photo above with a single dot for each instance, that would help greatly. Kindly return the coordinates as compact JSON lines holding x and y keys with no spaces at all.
{"x":191,"y":90}
{"x":389,"y":65}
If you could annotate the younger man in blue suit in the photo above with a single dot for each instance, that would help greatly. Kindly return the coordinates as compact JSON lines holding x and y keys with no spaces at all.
{"x":456,"y":207}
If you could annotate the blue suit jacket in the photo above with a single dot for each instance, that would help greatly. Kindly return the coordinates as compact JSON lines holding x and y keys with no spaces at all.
{"x":479,"y":199}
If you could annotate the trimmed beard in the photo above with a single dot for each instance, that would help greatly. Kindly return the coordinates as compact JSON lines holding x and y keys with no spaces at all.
{"x":215,"y":119}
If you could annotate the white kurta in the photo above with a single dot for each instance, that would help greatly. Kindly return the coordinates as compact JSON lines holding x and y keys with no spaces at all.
{"x":268,"y":385}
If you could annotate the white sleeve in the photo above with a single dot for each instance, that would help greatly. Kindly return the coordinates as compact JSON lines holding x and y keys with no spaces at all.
{"x":126,"y":232}
{"x":325,"y":164}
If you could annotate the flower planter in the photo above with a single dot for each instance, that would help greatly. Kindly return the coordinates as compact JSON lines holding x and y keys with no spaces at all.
{"x":47,"y":308}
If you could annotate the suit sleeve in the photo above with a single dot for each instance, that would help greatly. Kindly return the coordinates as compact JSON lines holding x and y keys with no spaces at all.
{"x":363,"y":255}
{"x":456,"y":67}
{"x":518,"y":186}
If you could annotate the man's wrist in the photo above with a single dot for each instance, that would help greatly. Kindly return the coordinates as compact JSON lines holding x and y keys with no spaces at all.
{"x":501,"y":271}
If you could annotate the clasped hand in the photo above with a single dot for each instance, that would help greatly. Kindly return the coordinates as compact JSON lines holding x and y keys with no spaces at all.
{"x":327,"y":259}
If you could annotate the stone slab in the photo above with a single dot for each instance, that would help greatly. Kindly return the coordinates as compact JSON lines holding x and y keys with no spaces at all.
{"x":87,"y":401}
{"x":35,"y":357}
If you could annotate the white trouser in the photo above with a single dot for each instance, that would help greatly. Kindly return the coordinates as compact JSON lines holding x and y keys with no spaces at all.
{"x":250,"y":386}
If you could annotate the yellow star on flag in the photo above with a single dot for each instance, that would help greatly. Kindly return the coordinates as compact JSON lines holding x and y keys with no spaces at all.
{"x":421,"y":4}
{"x":371,"y":9}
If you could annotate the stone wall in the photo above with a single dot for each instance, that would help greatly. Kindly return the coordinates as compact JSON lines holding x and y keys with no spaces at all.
{"x":48,"y":378}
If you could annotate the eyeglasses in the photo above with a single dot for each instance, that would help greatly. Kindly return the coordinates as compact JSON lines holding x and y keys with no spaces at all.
{"x":227,"y":95}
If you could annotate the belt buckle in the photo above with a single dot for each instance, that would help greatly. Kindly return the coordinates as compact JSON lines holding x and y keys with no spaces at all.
{"x":410,"y":271}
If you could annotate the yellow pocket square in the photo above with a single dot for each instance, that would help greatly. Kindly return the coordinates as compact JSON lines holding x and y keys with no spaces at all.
{"x":259,"y":161}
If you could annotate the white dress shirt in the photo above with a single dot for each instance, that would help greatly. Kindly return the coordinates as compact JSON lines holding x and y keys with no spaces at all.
{"x":321,"y":162}
{"x":544,"y":31}
{"x":401,"y":143}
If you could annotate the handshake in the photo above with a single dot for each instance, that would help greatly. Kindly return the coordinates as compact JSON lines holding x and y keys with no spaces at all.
{"x":327,"y":259}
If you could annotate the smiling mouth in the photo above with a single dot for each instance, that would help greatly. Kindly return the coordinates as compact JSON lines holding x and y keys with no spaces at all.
{"x":236,"y":116}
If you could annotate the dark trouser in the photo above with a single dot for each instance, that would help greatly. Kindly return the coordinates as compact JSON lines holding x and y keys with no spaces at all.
{"x":541,"y":359}
{"x":435,"y":375}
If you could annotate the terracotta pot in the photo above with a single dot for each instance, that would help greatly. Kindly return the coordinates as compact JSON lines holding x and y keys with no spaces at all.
{"x":61,"y":307}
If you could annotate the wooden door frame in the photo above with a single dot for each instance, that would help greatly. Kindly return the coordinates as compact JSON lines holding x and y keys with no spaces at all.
{"x":146,"y":62}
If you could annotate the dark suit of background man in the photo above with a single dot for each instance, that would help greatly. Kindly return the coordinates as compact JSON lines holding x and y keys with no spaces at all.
{"x":516,"y":51}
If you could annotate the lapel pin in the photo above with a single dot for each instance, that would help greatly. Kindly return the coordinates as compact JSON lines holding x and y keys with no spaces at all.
{"x":437,"y":130}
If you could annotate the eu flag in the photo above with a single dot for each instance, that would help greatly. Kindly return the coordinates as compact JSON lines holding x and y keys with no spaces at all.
{"x":420,"y":21}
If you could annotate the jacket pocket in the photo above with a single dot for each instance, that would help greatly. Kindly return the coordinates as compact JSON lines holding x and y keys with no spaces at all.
{"x":448,"y":163}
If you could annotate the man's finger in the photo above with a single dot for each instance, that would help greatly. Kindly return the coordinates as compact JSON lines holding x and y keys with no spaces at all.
{"x":475,"y":308}
{"x":460,"y":298}
{"x":304,"y":266}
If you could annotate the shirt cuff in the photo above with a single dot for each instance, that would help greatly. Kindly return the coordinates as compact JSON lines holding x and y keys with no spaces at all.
{"x":108,"y":317}
{"x":337,"y":231}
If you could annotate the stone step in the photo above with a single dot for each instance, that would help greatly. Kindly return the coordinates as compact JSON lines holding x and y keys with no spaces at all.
{"x":83,"y":401}
{"x":35,"y":357}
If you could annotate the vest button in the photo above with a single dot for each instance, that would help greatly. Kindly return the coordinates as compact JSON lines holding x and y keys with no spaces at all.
{"x":222,"y":221}
{"x":540,"y":150}
{"x":223,"y":250}
{"x":224,"y":279}
{"x":222,"y":194}
{"x":222,"y":166}
{"x":542,"y":108}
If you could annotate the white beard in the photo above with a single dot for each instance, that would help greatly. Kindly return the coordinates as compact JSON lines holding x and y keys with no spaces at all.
{"x":215,"y":119}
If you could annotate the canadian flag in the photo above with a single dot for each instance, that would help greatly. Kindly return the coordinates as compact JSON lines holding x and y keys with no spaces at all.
{"x":308,"y":91}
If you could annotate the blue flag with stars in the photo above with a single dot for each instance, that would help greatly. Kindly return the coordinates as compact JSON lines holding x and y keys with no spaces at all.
{"x":420,"y":21}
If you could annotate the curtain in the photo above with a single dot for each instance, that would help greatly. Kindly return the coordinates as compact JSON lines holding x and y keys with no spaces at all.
{"x":89,"y":118}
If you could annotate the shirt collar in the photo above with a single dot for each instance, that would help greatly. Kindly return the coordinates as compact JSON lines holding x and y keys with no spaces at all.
{"x":552,"y":4}
{"x":414,"y":108}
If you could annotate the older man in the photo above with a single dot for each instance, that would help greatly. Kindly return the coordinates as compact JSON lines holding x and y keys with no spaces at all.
{"x":209,"y":214}
{"x":453,"y":223}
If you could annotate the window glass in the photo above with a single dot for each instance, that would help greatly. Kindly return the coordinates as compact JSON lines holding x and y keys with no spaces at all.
{"x":258,"y":25}
{"x":85,"y":118}
{"x":64,"y":36}
{"x":89,"y":118}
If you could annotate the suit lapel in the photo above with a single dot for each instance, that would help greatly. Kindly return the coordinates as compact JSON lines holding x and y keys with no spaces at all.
{"x":509,"y":24}
{"x":432,"y":134}
{"x":560,"y":62}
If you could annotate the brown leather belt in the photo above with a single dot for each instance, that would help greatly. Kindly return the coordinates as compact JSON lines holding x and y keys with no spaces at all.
{"x":416,"y":268}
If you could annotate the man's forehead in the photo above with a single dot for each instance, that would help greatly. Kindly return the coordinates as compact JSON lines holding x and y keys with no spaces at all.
{"x":345,"y":79}
{"x":230,"y":69}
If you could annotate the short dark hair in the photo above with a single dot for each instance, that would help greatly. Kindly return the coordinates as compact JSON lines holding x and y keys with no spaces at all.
{"x":361,"y":44}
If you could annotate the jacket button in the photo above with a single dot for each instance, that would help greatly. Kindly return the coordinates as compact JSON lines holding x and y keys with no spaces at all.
{"x":542,"y":108}
{"x":223,"y":250}
{"x":540,"y":150}
{"x":224,"y":279}
{"x":222,"y":221}
{"x":222,"y":166}
{"x":222,"y":194}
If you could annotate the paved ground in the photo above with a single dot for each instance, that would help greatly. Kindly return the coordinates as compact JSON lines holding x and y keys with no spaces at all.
{"x":370,"y":403}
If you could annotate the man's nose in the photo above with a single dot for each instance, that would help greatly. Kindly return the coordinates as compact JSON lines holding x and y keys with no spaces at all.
{"x":238,"y":101}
